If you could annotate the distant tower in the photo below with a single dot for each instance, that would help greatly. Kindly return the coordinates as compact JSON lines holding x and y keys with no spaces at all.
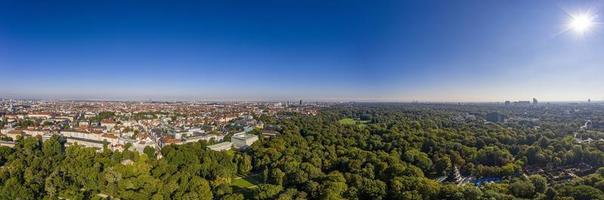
{"x":535,"y":101}
{"x":508,"y":102}
{"x":300,"y":101}
{"x":588,"y":100}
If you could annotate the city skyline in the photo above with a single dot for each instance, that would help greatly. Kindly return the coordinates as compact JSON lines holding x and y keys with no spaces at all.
{"x":426,"y":51}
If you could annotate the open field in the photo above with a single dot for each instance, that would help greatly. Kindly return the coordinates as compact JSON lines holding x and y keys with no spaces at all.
{"x":350,"y":121}
{"x":247,"y":182}
{"x":347,"y":121}
{"x":243,"y":183}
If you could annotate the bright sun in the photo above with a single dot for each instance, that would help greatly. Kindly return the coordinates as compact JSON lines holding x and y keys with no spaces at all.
{"x":581,"y":23}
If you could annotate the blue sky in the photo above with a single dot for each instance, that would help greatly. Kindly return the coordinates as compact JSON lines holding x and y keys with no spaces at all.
{"x":316,"y":50}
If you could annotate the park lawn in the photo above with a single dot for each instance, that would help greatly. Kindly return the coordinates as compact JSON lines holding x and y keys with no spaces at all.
{"x":249,"y":181}
{"x":347,"y":121}
{"x":241,"y":182}
{"x":350,"y":121}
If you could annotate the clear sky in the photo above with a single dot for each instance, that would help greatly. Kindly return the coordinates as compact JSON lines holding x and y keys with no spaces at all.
{"x":284,"y":49}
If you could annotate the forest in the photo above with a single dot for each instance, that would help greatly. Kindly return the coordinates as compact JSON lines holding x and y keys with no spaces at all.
{"x":393,"y":151}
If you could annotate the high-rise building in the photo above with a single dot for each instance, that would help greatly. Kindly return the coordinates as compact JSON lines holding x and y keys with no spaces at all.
{"x":535,"y":101}
{"x":495,"y":117}
{"x":300,"y":101}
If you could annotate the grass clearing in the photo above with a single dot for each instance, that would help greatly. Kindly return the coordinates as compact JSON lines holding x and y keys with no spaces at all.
{"x":241,"y":182}
{"x":247,"y":182}
{"x":347,"y":121}
{"x":351,"y":122}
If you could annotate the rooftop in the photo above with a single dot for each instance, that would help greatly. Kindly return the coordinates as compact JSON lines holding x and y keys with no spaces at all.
{"x":244,"y":136}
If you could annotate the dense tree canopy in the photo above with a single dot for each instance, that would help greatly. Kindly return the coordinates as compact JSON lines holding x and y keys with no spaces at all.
{"x":396,"y":151}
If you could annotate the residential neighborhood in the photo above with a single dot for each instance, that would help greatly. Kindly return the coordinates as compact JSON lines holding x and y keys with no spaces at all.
{"x":140,"y":125}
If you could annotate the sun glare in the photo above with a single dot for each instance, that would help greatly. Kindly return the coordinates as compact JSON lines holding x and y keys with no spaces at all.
{"x":581,"y":23}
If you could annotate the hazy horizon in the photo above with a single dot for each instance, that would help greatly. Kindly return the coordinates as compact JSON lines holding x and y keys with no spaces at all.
{"x":386,"y":51}
{"x":292,"y":100}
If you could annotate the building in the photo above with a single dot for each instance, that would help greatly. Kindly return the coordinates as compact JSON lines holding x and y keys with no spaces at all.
{"x":7,"y":143}
{"x":33,"y":133}
{"x":108,"y":124}
{"x":39,"y":115}
{"x":495,"y":117}
{"x":243,"y":140}
{"x":269,"y":133}
{"x":223,"y":146}
{"x":86,"y":142}
{"x":535,"y":101}
{"x":205,"y":137}
{"x":12,"y":133}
